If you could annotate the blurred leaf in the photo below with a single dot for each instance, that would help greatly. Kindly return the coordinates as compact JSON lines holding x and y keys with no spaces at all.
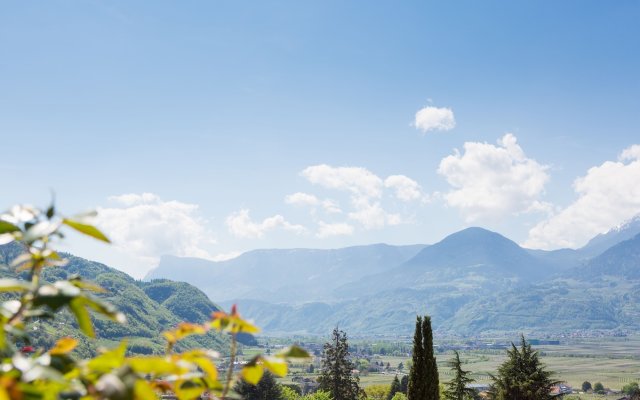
{"x":155,"y":365}
{"x":188,"y":390}
{"x":203,"y":361}
{"x":293,"y":352}
{"x":6,"y":238}
{"x":143,"y":391}
{"x":87,"y":229}
{"x":274,"y":364}
{"x":7,"y":227}
{"x":82,"y":316}
{"x":232,"y":323}
{"x":252,"y":373}
{"x":79,"y":283}
{"x":64,"y":345}
{"x":104,"y":308}
{"x":109,"y":359}
{"x":14,"y":285}
{"x":183,"y":330}
{"x":40,"y":230}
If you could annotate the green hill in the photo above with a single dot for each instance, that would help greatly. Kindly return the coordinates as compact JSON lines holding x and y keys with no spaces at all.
{"x":150,"y":308}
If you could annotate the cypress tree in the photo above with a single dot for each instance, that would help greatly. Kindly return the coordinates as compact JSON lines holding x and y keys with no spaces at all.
{"x":432,"y":384}
{"x":456,"y":389}
{"x":336,"y":375}
{"x":415,"y":389}
{"x":395,"y":388}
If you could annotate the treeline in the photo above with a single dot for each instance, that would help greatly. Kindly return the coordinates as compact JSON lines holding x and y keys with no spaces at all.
{"x":521,"y":376}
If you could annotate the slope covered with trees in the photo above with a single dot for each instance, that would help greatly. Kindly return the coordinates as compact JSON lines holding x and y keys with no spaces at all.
{"x":150,"y":307}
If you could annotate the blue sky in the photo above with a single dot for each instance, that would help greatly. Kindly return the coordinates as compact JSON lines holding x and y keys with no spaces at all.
{"x":189,"y":123}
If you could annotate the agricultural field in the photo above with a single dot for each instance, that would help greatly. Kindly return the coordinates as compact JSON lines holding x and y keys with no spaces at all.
{"x":612,"y":361}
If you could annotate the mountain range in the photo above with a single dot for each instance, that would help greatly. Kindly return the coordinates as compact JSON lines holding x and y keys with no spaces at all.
{"x":471,"y":282}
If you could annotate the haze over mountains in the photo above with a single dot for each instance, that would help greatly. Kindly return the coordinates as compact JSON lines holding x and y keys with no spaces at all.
{"x":472,"y":281}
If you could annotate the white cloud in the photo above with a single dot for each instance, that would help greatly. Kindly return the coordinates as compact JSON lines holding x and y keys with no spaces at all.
{"x":337,"y":229}
{"x":305,"y":199}
{"x":146,"y":227}
{"x":493,"y":181}
{"x":359,"y":181}
{"x":434,"y":119}
{"x":241,"y":225}
{"x":406,"y":188}
{"x":331,"y":206}
{"x":608,"y":195}
{"x":366,"y":190}
{"x":630,"y":153}
{"x":302,"y":199}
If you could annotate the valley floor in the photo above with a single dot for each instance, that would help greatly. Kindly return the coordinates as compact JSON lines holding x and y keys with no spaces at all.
{"x":612,"y":361}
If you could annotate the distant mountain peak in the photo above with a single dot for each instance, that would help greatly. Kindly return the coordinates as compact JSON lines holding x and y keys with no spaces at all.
{"x":624,"y":231}
{"x":632,"y":223}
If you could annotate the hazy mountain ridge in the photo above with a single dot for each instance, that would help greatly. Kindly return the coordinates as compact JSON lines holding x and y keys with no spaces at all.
{"x":290,"y":275}
{"x":473,"y":280}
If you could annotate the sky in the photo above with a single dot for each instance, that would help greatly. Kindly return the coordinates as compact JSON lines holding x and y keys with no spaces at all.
{"x":209,"y":128}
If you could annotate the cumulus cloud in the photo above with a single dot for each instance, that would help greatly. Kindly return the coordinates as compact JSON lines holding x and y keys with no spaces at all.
{"x":336,"y":229}
{"x":434,"y":119}
{"x":302,"y":199}
{"x":491,"y":181}
{"x":241,"y":225}
{"x":366,"y":191}
{"x":359,"y":181}
{"x":406,"y":188}
{"x":146,"y":227}
{"x":608,"y":195}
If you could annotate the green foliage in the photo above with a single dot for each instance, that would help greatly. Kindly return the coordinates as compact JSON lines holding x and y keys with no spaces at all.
{"x":456,"y":388}
{"x":631,"y":388}
{"x":266,"y":389}
{"x":377,"y":392}
{"x":404,"y":382}
{"x":423,"y":377}
{"x":394,"y":388}
{"x":399,"y":396}
{"x":287,"y":393}
{"x":319,"y":395}
{"x":40,"y":301}
{"x":598,"y":388}
{"x":336,"y":376}
{"x":586,"y":386}
{"x":522,"y":376}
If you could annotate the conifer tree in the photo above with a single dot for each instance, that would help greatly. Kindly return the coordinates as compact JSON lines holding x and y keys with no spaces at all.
{"x":266,"y":389}
{"x":423,"y":377}
{"x":415,"y":389}
{"x":336,"y":376}
{"x":404,"y":384}
{"x":522,"y":376}
{"x":432,"y":385}
{"x":395,"y":388}
{"x":457,"y":389}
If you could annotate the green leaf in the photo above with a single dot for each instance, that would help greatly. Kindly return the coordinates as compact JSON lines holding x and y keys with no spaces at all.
{"x":82,"y":315}
{"x":252,"y":373}
{"x":293,"y":352}
{"x":276,"y":365}
{"x":13,"y":285}
{"x":86,"y":229}
{"x":7,"y":227}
